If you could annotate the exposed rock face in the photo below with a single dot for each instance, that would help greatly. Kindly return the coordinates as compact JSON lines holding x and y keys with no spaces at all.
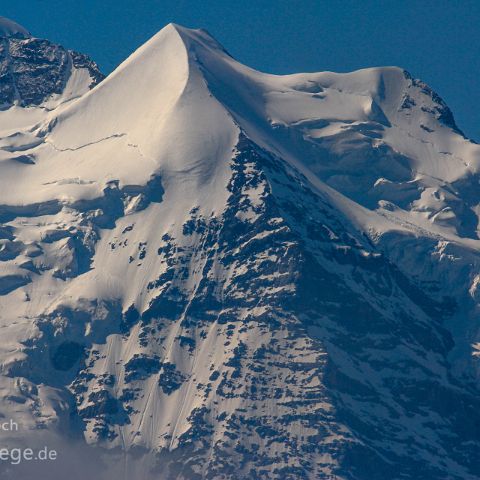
{"x":33,"y":71}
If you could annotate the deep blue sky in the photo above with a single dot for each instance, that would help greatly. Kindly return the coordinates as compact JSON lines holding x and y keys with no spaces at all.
{"x":437,"y":41}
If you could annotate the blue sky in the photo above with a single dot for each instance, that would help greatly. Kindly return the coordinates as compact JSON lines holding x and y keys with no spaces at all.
{"x":437,"y":41}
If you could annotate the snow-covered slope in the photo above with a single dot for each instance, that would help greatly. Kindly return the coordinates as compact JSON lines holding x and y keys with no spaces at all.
{"x":222,"y":273}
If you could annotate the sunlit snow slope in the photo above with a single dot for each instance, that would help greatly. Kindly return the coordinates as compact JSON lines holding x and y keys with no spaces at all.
{"x":227,"y":274}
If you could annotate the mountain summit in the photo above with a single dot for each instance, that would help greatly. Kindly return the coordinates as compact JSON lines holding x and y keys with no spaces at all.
{"x":211,"y":272}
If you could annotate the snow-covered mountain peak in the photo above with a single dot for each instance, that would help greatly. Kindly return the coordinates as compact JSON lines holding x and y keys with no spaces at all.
{"x":226,"y":271}
{"x":182,"y":85}
{"x":9,"y":28}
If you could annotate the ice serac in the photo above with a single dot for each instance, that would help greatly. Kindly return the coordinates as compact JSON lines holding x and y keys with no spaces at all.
{"x":227,"y":274}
